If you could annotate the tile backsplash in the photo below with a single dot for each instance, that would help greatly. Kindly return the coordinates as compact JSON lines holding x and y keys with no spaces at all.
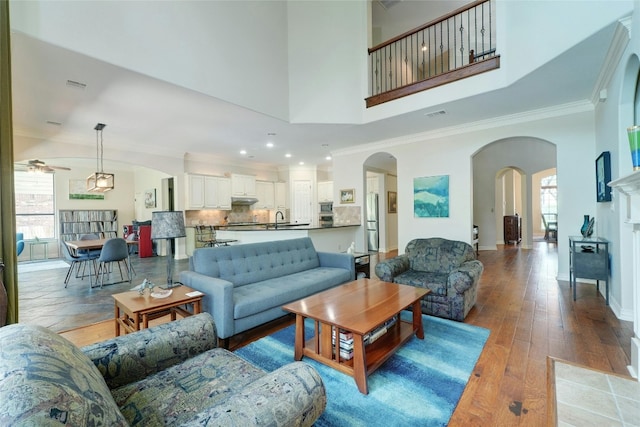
{"x":218,"y":217}
{"x":347,"y":215}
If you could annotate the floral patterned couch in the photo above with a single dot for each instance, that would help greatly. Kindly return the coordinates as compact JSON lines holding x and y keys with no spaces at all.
{"x":167,"y":375}
{"x":448,"y":268}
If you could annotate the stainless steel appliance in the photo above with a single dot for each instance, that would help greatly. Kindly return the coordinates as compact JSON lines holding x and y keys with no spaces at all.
{"x":372,"y":222}
{"x":326,"y":208}
{"x":325,"y":218}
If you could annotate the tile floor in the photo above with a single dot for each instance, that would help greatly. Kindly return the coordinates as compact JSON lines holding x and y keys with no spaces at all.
{"x":585,"y":397}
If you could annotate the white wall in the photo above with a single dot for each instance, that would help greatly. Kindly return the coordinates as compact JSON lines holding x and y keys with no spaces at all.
{"x":327,"y":61}
{"x":233,"y":50}
{"x":429,"y":155}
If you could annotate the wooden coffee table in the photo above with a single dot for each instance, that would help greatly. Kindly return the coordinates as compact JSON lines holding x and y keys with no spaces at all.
{"x":133,"y":311}
{"x":358,"y":307}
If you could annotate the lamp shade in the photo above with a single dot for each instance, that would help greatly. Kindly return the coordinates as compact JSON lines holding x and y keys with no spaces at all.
{"x":167,"y":225}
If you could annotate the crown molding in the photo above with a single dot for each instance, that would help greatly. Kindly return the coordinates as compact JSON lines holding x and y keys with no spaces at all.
{"x":620,"y":40}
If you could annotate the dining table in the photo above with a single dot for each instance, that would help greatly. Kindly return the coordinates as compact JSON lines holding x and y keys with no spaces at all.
{"x":93,"y":244}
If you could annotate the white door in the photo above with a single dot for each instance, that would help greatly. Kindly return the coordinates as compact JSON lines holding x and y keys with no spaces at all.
{"x":302,"y":201}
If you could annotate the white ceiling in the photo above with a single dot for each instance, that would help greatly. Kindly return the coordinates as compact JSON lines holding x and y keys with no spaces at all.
{"x":144,"y":113}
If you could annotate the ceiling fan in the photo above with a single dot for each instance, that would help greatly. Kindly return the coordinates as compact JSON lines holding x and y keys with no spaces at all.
{"x":40,"y":166}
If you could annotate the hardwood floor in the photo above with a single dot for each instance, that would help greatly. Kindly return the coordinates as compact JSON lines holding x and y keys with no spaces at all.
{"x":531,"y":315}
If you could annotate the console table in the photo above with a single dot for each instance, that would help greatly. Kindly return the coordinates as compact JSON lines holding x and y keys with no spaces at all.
{"x":589,"y":259}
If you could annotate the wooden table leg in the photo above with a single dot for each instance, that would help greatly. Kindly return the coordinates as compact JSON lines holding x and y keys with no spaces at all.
{"x":117,"y":319}
{"x":417,"y":320}
{"x":360,"y":364}
{"x":299,"y":345}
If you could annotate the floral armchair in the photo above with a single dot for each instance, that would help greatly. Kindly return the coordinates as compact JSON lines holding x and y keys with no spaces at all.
{"x":448,"y":268}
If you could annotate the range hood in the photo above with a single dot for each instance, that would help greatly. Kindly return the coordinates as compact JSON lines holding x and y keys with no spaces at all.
{"x":243,"y":201}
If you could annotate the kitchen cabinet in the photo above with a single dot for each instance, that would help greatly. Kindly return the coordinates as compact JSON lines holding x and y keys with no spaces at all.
{"x":217,"y":192}
{"x":372,"y":184}
{"x":208,"y":192}
{"x":512,"y":229}
{"x":281,"y":200}
{"x":243,"y":185}
{"x":265,"y":193}
{"x":325,"y":191}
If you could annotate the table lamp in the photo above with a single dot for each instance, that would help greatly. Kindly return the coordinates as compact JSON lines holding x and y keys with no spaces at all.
{"x":168,"y":225}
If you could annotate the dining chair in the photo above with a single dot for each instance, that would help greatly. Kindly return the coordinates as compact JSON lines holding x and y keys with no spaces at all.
{"x":114,"y":250}
{"x":78,"y":261}
{"x":90,"y":236}
{"x":550,"y":227}
{"x":19,"y":243}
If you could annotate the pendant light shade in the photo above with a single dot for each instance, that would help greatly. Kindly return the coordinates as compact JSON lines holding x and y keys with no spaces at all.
{"x":100,"y":182}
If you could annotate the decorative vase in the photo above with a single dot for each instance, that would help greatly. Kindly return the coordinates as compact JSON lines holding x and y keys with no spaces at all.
{"x":587,"y":226}
{"x":634,"y":146}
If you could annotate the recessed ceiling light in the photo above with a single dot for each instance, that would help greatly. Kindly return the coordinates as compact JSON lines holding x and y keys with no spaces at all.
{"x":270,"y":144}
{"x":328,"y":158}
{"x":301,"y":163}
{"x":243,"y":152}
{"x":287,"y":155}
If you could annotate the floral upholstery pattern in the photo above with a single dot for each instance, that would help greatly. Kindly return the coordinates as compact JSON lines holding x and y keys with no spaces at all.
{"x":170,"y":374}
{"x":45,"y":380}
{"x":448,"y":268}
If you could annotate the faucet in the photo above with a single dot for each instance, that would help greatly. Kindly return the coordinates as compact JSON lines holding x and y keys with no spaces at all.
{"x":281,"y":217}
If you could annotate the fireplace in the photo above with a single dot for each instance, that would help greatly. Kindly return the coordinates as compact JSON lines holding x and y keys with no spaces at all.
{"x":629,"y":186}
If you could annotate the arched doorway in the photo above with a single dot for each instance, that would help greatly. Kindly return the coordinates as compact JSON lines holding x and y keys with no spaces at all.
{"x":516,"y":160}
{"x":380,"y":182}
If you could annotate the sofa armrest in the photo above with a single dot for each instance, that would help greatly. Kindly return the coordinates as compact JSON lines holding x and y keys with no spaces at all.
{"x":132,"y":357}
{"x":389,"y":268}
{"x":292,"y":395}
{"x":217,"y":299}
{"x":338,"y":260}
{"x":465,"y":276}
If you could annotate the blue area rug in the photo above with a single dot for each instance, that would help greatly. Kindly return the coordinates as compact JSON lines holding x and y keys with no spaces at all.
{"x":419,"y":385}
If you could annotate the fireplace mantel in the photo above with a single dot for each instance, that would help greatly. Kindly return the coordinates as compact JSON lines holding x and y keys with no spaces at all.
{"x":629,"y":186}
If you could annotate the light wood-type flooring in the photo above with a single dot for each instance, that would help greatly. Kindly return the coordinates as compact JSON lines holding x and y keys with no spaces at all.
{"x":531,"y":315}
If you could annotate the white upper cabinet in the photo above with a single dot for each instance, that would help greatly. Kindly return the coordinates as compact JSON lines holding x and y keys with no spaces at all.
{"x":281,"y":200}
{"x":217,"y":192}
{"x":265,"y":193}
{"x":243,"y":185}
{"x":325,"y":191}
{"x":208,"y":192}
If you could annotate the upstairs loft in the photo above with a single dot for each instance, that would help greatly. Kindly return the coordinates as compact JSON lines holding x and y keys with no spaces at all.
{"x":455,"y":46}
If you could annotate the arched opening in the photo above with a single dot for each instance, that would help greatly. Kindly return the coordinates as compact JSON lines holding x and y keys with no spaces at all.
{"x":503,"y":184}
{"x":380,"y":202}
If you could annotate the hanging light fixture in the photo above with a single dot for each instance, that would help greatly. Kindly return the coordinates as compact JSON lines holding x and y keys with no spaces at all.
{"x":100,"y":182}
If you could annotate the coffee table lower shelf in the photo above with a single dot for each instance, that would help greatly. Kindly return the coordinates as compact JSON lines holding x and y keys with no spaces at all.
{"x":375,"y":353}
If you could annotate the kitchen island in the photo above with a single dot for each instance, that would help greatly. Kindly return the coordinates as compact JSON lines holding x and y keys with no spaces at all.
{"x":336,"y":238}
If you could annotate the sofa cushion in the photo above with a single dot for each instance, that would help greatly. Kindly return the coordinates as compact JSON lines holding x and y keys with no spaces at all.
{"x":260,"y":296}
{"x":174,"y":395}
{"x":436,"y":282}
{"x":56,"y":382}
{"x":244,"y":264}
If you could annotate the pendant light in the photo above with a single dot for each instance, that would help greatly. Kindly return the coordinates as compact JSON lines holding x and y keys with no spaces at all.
{"x":100,"y":182}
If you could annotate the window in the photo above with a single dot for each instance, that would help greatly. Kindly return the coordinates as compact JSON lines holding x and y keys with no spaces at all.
{"x":35,"y":204}
{"x":548,"y":196}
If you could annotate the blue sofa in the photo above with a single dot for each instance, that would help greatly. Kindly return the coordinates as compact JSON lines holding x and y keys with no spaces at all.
{"x":170,"y":374}
{"x":246,"y":285}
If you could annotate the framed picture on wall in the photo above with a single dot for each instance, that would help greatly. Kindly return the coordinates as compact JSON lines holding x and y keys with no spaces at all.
{"x":603,"y":176}
{"x":150,"y":198}
{"x":392,"y":202}
{"x":348,"y":196}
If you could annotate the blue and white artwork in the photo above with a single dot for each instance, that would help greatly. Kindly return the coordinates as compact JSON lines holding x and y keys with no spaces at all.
{"x":431,"y":197}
